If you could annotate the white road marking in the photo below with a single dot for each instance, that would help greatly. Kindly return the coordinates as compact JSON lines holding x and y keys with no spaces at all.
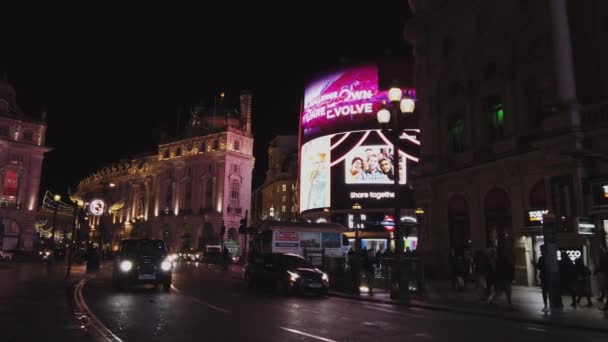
{"x":320,"y":338}
{"x":370,"y":323}
{"x":93,"y":321}
{"x":226,"y":311}
{"x":383,"y":310}
{"x":536,"y":329}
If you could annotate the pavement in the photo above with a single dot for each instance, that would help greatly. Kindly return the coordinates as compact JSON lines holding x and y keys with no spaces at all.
{"x":35,"y":303}
{"x":527,"y":305}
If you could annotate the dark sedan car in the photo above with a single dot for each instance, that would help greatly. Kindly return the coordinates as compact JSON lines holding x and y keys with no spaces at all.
{"x":286,"y":273}
{"x":142,"y":261}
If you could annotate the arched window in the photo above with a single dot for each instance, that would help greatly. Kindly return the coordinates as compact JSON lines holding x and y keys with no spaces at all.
{"x":28,"y":135}
{"x":178,"y":152}
{"x":166,"y":154}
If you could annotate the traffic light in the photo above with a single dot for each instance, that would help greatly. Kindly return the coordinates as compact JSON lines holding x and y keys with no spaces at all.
{"x":243,"y":226}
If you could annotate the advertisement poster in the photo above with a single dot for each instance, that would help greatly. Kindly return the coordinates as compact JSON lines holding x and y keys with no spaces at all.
{"x":315,"y":176}
{"x":310,"y":240}
{"x":372,"y":164}
{"x":283,"y":241}
{"x":332,"y":240}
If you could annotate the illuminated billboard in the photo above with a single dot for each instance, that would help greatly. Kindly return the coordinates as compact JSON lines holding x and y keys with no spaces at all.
{"x":344,"y":156}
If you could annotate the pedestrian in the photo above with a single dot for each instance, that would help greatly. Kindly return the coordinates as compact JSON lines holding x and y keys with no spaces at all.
{"x":505,"y":274}
{"x":225,"y":258}
{"x":567,"y":274}
{"x":368,"y":267}
{"x":542,"y":275}
{"x":491,"y":274}
{"x":602,"y":274}
{"x":583,"y":281}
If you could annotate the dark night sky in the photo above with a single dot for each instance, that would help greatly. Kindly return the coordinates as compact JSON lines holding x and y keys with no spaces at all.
{"x":113,"y":75}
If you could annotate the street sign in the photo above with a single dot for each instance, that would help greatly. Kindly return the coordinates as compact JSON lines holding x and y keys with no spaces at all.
{"x":97,"y":207}
{"x":388,"y":223}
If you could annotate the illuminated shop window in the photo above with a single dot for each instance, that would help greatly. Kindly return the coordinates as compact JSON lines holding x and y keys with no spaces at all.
{"x":456,"y":132}
{"x":11,"y":183}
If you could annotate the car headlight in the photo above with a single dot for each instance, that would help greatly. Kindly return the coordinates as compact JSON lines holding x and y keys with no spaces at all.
{"x":293,"y":276}
{"x":126,"y":265}
{"x":325,"y":278}
{"x":165,"y":265}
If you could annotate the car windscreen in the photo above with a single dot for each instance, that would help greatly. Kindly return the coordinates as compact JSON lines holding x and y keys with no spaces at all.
{"x":144,"y":247}
{"x":295,"y":262}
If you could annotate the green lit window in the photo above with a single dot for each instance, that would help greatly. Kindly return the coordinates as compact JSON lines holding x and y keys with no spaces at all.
{"x":496,"y":113}
{"x":456,"y":133}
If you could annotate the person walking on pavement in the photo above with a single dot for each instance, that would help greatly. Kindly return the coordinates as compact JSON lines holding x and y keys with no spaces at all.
{"x":567,"y":274}
{"x":542,"y":275}
{"x":583,"y":281}
{"x":505,"y":274}
{"x":368,"y":267}
{"x":225,"y":258}
{"x":602,"y":273}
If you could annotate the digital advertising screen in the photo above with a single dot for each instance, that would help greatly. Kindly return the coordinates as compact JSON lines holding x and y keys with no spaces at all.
{"x":345,"y":157}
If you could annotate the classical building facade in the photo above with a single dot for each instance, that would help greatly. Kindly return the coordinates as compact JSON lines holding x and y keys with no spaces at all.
{"x":186,"y":191}
{"x":21,"y":153}
{"x":512,"y":101}
{"x":276,"y":198}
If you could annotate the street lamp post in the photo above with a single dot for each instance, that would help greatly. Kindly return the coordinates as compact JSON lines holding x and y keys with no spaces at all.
{"x":392,"y":114}
{"x":56,"y":198}
{"x":73,"y":240}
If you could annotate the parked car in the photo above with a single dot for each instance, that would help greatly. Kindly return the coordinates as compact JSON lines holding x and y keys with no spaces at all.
{"x":285,"y":273}
{"x":6,"y":256}
{"x":142,"y":261}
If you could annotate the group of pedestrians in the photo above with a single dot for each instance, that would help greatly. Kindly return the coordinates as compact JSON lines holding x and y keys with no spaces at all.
{"x":492,"y":269}
{"x":575,"y":279}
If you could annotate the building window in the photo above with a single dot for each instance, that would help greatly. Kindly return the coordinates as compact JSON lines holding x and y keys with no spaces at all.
{"x":235,"y":168}
{"x":496,"y":115}
{"x":178,"y":151}
{"x":216,"y":145}
{"x":4,"y":131}
{"x":237,"y":145}
{"x":456,"y":133}
{"x":283,"y":209}
{"x":3,"y":106}
{"x":28,"y":135}
{"x":168,"y":196}
{"x":284,"y":198}
{"x":293,"y":209}
{"x":284,"y":187}
{"x":209,"y":193}
{"x":201,"y":148}
{"x":11,"y":183}
{"x":234,"y":193}
{"x":166,"y":154}
{"x":188,"y":195}
{"x":15,"y":158}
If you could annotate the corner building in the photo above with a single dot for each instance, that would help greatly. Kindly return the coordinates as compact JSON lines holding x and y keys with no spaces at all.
{"x":512,"y":101}
{"x":186,"y":190}
{"x":21,"y":154}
